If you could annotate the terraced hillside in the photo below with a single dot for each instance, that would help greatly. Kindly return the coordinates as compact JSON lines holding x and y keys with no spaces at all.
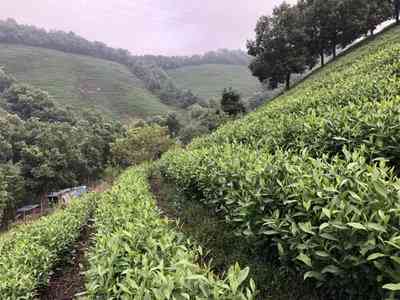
{"x":82,"y":82}
{"x":312,"y":177}
{"x":209,"y":80}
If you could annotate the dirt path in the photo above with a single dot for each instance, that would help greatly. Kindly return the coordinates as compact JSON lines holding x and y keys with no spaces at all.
{"x":68,"y":279}
{"x":160,"y":197}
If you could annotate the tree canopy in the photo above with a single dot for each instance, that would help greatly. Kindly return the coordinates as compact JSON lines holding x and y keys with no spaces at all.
{"x":290,"y":40}
{"x":45,"y":147}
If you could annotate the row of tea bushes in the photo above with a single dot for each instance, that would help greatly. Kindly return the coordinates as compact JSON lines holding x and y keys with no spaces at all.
{"x":336,"y":220}
{"x":30,"y":255}
{"x":138,"y":254}
{"x":349,"y":103}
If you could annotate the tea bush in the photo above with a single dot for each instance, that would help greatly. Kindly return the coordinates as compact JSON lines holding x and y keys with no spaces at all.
{"x":336,"y":219}
{"x":313,"y":174}
{"x":28,"y":258}
{"x":139,"y":255}
{"x":352,"y":102}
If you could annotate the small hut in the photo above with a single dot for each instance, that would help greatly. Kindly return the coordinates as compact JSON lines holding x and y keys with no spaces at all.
{"x":27,"y":210}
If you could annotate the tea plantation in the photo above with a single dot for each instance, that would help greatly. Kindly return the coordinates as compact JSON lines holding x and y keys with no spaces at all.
{"x":310,"y":180}
{"x":82,"y":82}
{"x":138,"y":254}
{"x":30,"y":253}
{"x":314,"y":174}
{"x":209,"y":80}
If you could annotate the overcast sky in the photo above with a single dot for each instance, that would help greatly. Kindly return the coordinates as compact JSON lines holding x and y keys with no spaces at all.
{"x":170,"y":27}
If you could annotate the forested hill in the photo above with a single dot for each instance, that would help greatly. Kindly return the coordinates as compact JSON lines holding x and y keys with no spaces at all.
{"x":45,"y":146}
{"x":151,"y":70}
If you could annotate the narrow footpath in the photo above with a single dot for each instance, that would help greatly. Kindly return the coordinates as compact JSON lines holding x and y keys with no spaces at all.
{"x":68,"y":279}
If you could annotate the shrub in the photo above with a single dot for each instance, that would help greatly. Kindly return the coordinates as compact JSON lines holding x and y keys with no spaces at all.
{"x":334,"y":220}
{"x":138,"y":254}
{"x":30,"y":254}
{"x":140,"y":144}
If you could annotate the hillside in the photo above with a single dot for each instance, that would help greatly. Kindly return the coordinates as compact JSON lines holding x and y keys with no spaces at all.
{"x":209,"y":80}
{"x":310,"y":181}
{"x":81,"y":81}
{"x":2,"y":111}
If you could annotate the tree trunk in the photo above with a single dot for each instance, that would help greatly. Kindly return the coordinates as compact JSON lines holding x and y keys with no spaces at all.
{"x":288,"y":81}
{"x":8,"y":215}
{"x":322,"y":58}
{"x":334,"y":51}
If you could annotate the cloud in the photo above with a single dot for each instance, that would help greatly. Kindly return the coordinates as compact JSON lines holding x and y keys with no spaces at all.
{"x":172,"y":27}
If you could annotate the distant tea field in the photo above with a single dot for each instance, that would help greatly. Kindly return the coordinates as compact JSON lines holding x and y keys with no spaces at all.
{"x":81,"y":81}
{"x":209,"y":80}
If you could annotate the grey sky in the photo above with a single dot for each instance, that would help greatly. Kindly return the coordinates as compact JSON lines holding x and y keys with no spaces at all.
{"x":171,"y":27}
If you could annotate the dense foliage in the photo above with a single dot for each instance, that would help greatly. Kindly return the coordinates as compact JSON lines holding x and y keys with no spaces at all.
{"x":48,"y":146}
{"x":138,"y":254}
{"x":313,"y":175}
{"x":289,"y":41}
{"x":230,"y":102}
{"x":30,"y":254}
{"x":140,"y":144}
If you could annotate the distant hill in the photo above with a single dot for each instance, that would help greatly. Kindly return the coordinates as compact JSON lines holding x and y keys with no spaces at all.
{"x":209,"y":80}
{"x":82,"y":81}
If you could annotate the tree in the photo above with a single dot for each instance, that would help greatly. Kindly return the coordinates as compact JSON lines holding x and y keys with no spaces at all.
{"x":281,"y":46}
{"x":139,"y":145}
{"x":30,"y":102}
{"x":5,"y":81}
{"x":53,"y":147}
{"x":396,"y":9}
{"x":230,"y":102}
{"x":375,"y":12}
{"x":12,"y":192}
{"x":173,"y":124}
{"x":323,"y":26}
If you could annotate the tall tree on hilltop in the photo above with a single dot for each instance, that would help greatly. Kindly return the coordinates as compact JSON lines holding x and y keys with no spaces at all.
{"x":323,"y":25}
{"x":396,"y":9}
{"x":375,"y":12}
{"x":352,"y":21}
{"x":281,"y":46}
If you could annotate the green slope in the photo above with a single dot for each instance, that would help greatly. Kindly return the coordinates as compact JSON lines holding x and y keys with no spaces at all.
{"x":208,"y":81}
{"x":2,"y":111}
{"x":305,"y":176}
{"x":81,"y":81}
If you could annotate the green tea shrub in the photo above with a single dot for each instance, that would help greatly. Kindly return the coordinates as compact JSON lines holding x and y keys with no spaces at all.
{"x":29,"y":256}
{"x":139,"y":255}
{"x":336,"y":220}
{"x":349,"y":103}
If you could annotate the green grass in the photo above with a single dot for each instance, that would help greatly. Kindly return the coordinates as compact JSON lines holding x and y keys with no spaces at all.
{"x":81,"y":81}
{"x":208,"y":81}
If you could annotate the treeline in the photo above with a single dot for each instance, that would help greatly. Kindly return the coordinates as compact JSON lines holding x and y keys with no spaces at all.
{"x":150,"y":69}
{"x":221,"y":56}
{"x":295,"y":37}
{"x":44,"y":147}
